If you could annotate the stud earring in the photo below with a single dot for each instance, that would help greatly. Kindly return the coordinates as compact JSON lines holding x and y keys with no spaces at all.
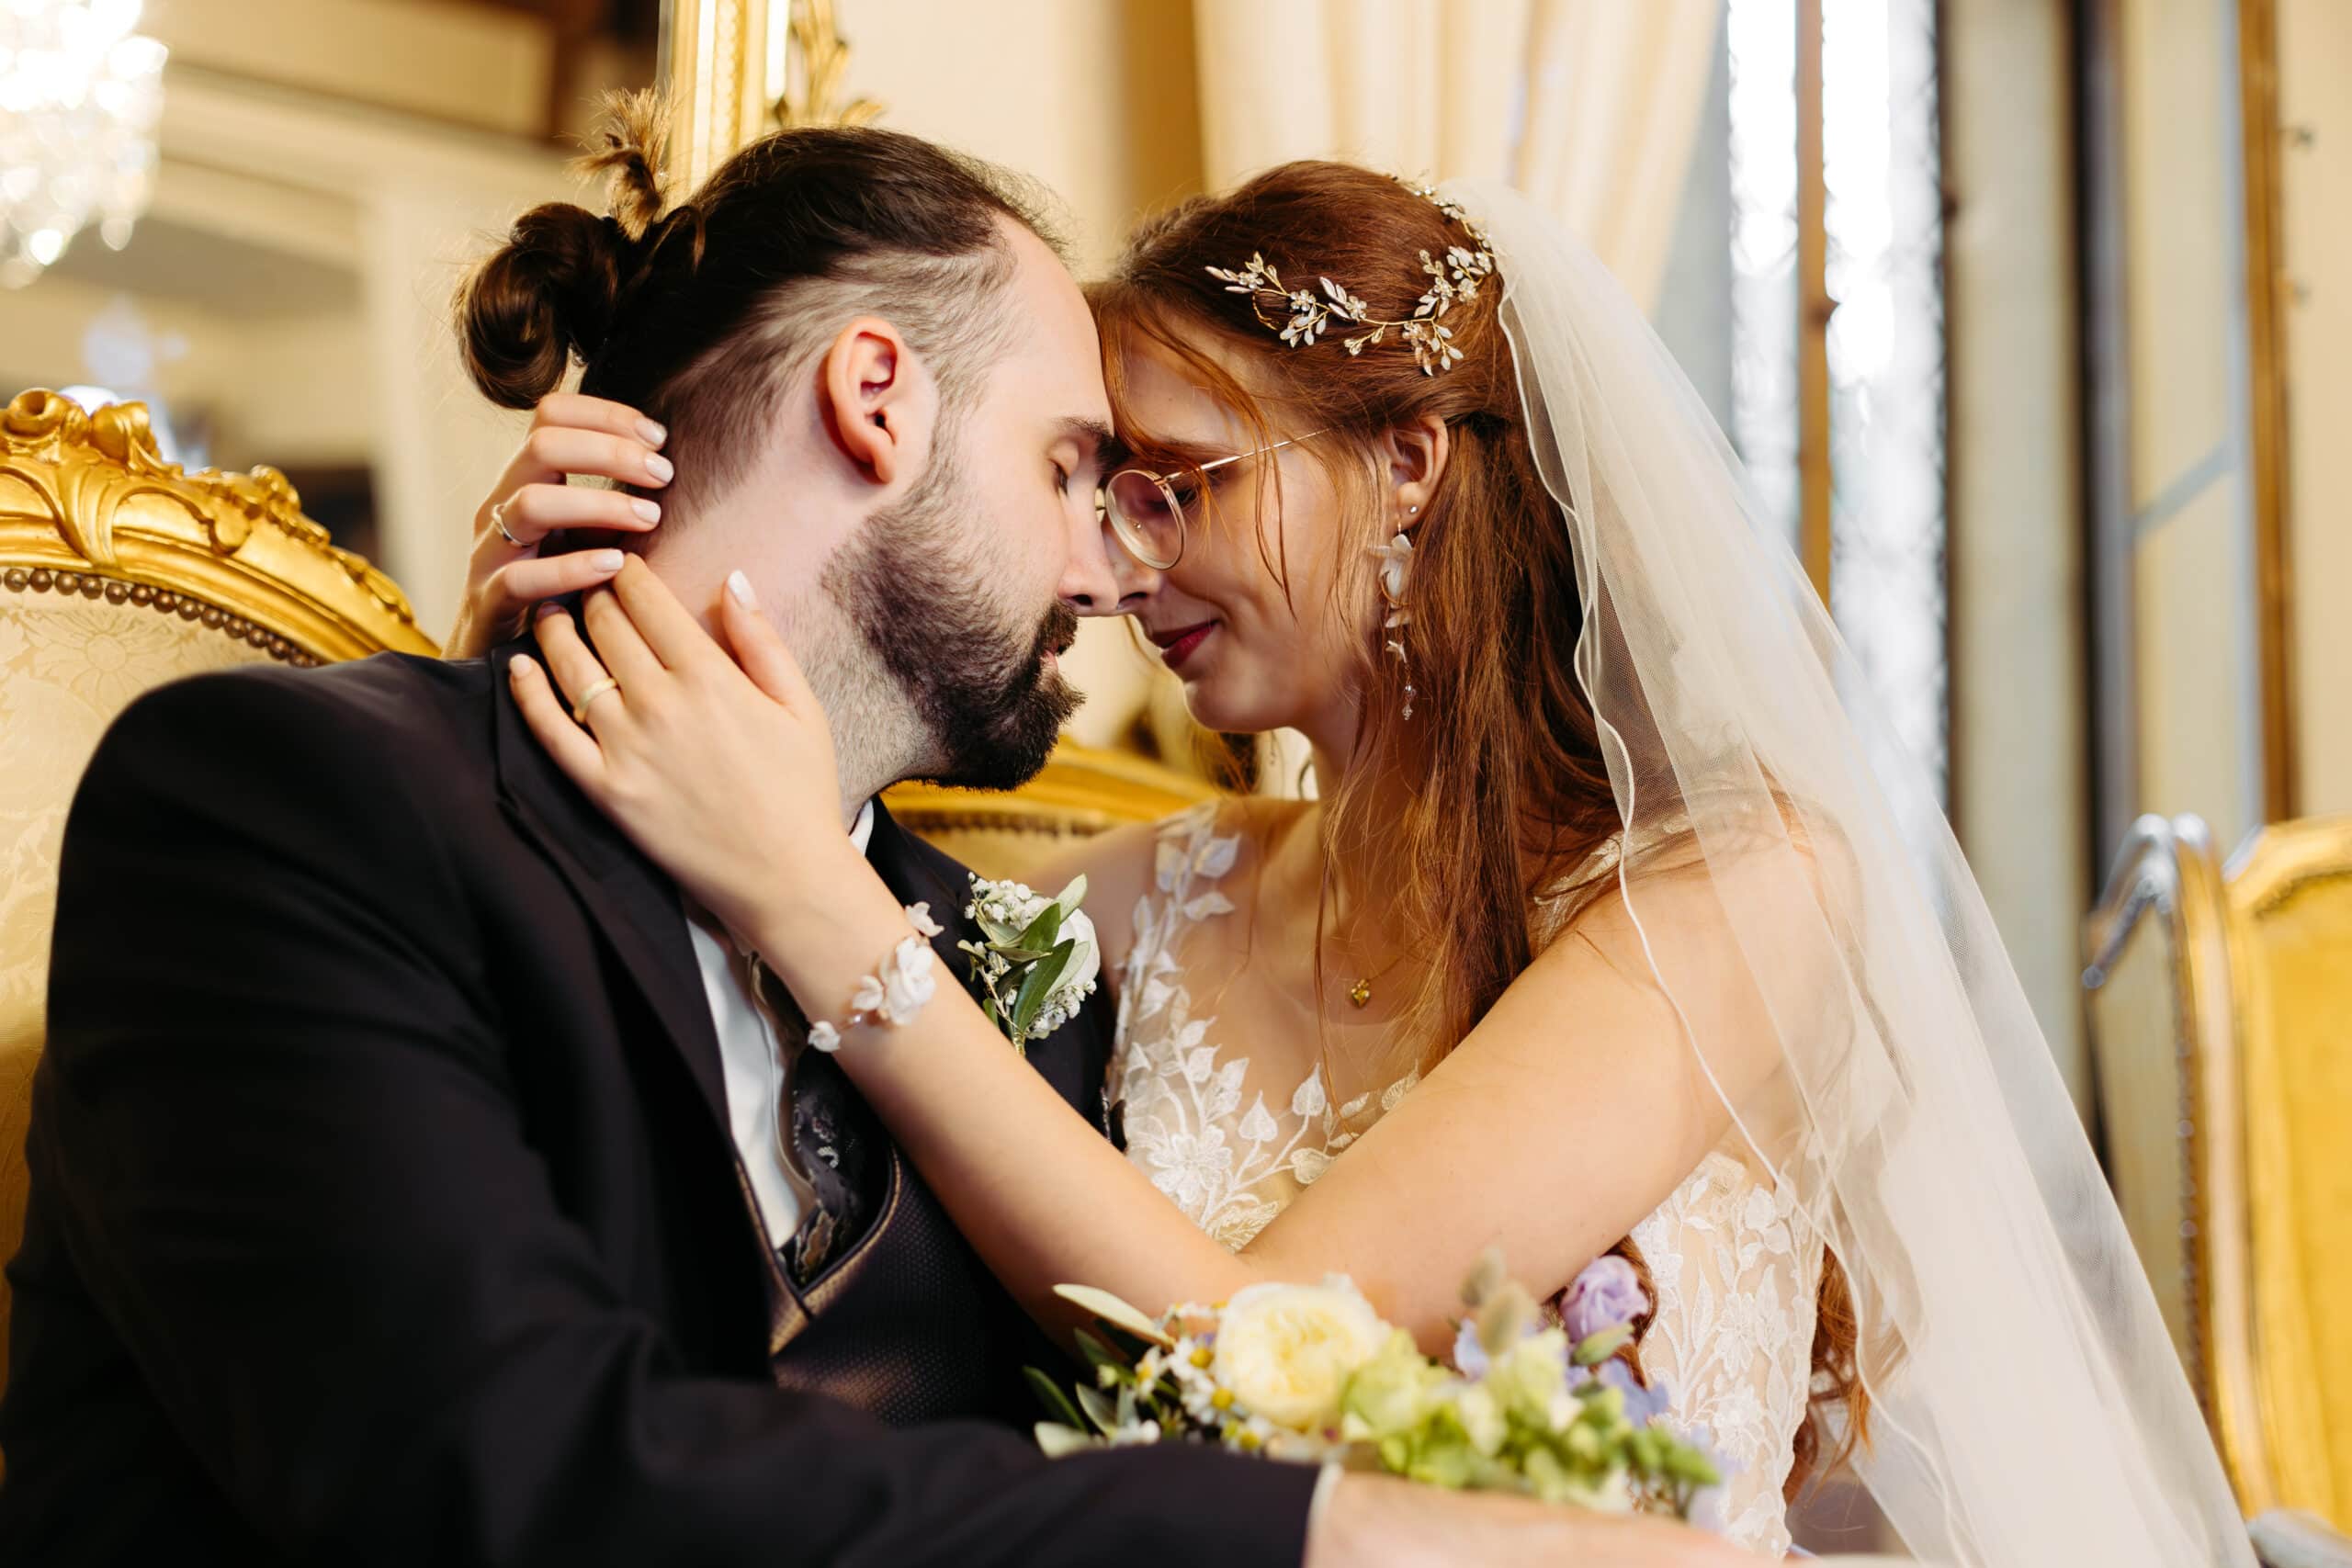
{"x":1395,"y":559}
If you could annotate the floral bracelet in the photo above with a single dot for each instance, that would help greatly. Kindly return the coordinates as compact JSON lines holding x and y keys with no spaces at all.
{"x":896,"y":991}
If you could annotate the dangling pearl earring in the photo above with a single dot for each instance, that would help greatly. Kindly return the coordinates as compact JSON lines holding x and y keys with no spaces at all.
{"x":1395,"y":559}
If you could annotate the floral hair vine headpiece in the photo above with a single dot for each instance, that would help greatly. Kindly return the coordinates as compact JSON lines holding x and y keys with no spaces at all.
{"x":1454,"y":278}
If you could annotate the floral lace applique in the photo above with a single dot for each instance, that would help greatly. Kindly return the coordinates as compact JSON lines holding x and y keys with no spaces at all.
{"x":1230,"y":1168}
{"x":1732,"y":1339}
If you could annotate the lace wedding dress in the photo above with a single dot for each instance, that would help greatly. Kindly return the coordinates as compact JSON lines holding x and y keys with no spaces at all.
{"x":1736,"y":1270}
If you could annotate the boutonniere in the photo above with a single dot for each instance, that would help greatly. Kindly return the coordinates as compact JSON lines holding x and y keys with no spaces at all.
{"x":1039,"y":960}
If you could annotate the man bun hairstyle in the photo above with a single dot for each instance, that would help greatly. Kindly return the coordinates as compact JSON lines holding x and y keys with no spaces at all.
{"x":696,"y":313}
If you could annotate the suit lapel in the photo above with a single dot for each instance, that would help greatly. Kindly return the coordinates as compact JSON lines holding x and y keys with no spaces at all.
{"x":913,"y":878}
{"x":633,"y":903}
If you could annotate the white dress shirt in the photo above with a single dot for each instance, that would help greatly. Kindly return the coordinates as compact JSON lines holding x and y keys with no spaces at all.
{"x":748,"y":1053}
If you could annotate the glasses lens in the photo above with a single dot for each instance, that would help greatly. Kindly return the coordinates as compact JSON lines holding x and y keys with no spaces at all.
{"x":1145,"y":516}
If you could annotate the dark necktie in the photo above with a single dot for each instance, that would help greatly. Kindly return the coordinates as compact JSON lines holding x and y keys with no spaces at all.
{"x":831,"y":1146}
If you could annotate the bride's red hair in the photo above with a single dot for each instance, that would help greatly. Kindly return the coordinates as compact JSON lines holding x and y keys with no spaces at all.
{"x":1509,"y":792}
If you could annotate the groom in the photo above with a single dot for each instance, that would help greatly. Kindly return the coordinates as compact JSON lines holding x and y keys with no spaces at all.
{"x":416,"y":1180}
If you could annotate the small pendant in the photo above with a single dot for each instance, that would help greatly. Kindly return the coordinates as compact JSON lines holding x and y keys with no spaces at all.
{"x":1361,"y":993}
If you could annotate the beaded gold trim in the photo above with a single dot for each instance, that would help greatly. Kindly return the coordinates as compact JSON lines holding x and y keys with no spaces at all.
{"x":114,"y":591}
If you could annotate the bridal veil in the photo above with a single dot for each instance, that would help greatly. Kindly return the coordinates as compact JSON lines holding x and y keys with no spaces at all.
{"x":2027,"y":1406}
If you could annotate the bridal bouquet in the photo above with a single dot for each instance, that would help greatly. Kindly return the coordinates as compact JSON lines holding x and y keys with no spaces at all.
{"x":1310,"y":1372}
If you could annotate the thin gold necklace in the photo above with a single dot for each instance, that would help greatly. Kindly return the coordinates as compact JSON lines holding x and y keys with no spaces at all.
{"x":1360,"y":992}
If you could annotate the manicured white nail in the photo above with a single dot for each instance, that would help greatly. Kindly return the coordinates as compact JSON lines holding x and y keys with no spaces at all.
{"x":649,"y":511}
{"x":659,"y":466}
{"x":605,"y":561}
{"x":740,"y":586}
{"x":653,"y":434}
{"x":521,"y":667}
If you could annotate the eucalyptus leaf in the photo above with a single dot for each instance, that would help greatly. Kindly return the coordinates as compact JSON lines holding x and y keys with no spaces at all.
{"x":1042,"y":931}
{"x":1073,"y":895}
{"x":1037,"y":985}
{"x":1098,"y":1409}
{"x":1057,"y":1441}
{"x":1097,"y":1353}
{"x":1597,"y":1347}
{"x":997,"y":932}
{"x":1103,"y":1305}
{"x":1050,"y":1395}
{"x":1025,"y":955}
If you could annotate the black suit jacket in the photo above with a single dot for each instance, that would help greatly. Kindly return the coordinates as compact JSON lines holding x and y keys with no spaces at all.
{"x":384,"y":1209}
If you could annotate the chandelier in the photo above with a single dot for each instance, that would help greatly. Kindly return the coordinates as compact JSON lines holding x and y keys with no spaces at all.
{"x":79,"y":96}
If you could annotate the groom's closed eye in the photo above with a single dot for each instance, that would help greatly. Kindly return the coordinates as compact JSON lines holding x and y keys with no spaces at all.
{"x":1077,"y":450}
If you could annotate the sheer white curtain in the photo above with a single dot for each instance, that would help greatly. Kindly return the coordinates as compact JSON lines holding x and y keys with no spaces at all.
{"x":1587,"y":105}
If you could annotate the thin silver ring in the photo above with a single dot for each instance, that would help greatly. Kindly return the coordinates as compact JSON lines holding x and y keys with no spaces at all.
{"x":498,"y":521}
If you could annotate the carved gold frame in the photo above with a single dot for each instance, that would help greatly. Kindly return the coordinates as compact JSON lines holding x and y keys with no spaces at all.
{"x":88,"y":506}
{"x":734,"y":70}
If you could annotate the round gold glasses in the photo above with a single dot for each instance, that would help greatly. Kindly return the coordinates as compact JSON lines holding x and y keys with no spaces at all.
{"x":1147,"y":511}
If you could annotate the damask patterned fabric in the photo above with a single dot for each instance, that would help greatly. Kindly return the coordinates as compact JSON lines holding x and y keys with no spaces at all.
{"x":68,"y":665}
{"x":1735,"y":1269}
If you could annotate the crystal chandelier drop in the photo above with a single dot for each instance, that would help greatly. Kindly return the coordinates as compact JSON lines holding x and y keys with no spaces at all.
{"x":79,"y":96}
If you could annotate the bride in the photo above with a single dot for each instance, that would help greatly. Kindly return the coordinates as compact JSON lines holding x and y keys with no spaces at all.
{"x":1610,"y":926}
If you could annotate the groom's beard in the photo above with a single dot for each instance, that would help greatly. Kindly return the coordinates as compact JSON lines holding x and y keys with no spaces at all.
{"x":990,"y":704}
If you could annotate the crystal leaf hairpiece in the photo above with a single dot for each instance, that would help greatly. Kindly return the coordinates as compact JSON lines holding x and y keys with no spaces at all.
{"x":1301,"y":317}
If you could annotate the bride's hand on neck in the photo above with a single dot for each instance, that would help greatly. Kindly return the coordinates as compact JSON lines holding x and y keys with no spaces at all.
{"x":716,"y":760}
{"x":534,"y":501}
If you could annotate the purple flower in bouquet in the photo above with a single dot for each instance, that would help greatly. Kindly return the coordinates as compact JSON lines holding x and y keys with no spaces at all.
{"x":1607,"y":1295}
{"x":1469,"y":1354}
{"x":1643,"y":1405}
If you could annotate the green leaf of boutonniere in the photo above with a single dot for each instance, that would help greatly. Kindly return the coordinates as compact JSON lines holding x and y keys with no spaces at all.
{"x":1038,"y":984}
{"x":1040,"y":936}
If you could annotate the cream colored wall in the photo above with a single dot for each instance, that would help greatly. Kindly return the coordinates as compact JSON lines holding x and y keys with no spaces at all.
{"x":1093,"y":97}
{"x":2019,"y":722}
{"x":2195,"y":676}
{"x":2315,"y":104}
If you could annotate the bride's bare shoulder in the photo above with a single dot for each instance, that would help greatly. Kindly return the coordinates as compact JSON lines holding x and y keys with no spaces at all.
{"x":1118,"y":867}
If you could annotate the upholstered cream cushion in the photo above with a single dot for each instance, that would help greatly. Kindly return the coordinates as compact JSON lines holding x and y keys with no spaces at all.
{"x":68,"y":665}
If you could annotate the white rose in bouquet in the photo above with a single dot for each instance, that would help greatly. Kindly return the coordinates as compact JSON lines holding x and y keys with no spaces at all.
{"x":1287,"y":1352}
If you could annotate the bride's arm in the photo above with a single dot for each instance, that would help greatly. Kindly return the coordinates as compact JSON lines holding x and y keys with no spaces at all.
{"x":1571,"y":1110}
{"x":1568,"y":1115}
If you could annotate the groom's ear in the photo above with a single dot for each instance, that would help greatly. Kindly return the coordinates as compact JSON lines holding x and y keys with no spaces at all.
{"x":876,"y":405}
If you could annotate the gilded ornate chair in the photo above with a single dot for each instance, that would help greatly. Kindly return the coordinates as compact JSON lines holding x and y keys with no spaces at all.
{"x":1081,"y":791}
{"x":120,"y":573}
{"x":2220,"y":1008}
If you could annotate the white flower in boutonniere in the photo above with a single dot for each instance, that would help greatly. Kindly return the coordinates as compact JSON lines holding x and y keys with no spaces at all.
{"x":1039,"y":962}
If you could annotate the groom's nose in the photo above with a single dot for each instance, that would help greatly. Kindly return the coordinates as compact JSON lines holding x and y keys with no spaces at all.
{"x":1089,"y":583}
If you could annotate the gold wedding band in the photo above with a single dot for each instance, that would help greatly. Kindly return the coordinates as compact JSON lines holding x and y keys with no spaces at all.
{"x":498,"y":521}
{"x":596,"y":689}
